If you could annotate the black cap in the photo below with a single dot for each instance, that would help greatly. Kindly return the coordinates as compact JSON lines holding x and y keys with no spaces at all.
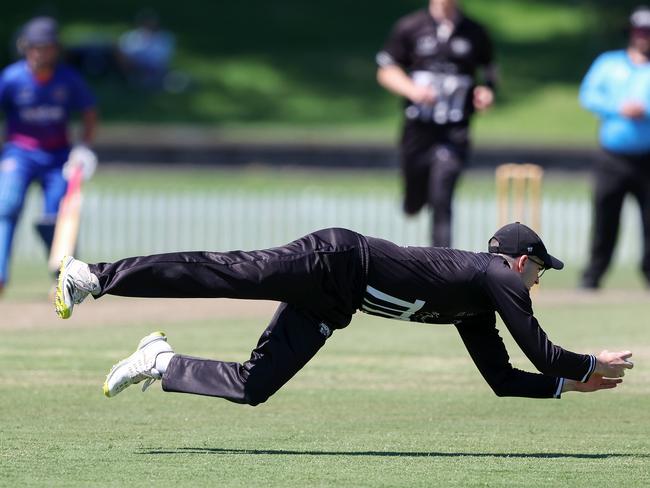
{"x":40,"y":31}
{"x":516,"y":240}
{"x":640,"y":18}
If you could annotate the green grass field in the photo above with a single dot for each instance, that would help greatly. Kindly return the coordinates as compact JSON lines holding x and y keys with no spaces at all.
{"x":384,"y":404}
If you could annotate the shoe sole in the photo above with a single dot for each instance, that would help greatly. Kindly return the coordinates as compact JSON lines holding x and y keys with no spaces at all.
{"x":154,"y":337}
{"x":62,"y":310}
{"x":120,"y":388}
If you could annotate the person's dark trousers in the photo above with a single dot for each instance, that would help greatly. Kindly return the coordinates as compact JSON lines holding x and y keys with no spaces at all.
{"x":288,"y":343}
{"x":615,"y":177}
{"x":319,"y":279}
{"x":432,"y":158}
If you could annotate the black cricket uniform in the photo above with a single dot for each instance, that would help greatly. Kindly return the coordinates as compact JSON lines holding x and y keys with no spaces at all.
{"x":435,"y":139}
{"x":322,"y":279}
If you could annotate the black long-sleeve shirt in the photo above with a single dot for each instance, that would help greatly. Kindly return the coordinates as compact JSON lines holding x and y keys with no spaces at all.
{"x":448,"y":286}
{"x":447,"y":62}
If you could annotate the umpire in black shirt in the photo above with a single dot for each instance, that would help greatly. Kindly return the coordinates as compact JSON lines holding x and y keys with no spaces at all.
{"x":321,"y":280}
{"x":431,"y":58}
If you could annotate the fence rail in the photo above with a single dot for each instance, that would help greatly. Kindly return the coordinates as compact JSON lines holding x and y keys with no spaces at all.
{"x":117,"y":224}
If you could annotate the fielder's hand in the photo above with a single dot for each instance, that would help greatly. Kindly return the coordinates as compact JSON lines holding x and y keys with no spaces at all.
{"x":595,"y":383}
{"x":423,"y":95}
{"x":613,"y":364}
{"x":483,"y":98}
{"x":81,"y":156}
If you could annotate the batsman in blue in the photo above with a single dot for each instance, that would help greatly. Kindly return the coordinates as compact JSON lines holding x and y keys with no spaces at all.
{"x":38,"y":95}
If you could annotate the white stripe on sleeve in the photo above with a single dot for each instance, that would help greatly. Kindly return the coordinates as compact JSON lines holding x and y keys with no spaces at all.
{"x":592,"y":367}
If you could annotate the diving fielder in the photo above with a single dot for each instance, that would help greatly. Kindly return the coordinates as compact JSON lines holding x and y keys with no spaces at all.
{"x":321,"y":280}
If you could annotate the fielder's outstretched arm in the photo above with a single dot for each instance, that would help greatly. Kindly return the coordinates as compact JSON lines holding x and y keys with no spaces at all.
{"x":485,"y":346}
{"x":512,"y":301}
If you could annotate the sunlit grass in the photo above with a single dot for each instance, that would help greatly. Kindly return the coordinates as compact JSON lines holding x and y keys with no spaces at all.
{"x":390,"y":404}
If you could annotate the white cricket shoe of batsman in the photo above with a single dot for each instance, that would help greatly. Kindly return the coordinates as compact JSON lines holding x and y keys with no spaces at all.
{"x":139,"y":366}
{"x":74,"y":284}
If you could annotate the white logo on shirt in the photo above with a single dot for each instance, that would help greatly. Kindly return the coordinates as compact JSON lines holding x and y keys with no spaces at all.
{"x":460,"y":46}
{"x":426,"y":45}
{"x":42,"y":114}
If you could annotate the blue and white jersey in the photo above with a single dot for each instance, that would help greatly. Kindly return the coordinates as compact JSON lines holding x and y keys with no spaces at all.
{"x":37,"y":112}
{"x":613,"y":80}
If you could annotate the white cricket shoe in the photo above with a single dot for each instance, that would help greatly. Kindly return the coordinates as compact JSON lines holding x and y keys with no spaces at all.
{"x":73,"y":286}
{"x":138,"y":366}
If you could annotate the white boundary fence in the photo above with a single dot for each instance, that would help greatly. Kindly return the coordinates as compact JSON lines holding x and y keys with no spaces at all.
{"x":117,"y":224}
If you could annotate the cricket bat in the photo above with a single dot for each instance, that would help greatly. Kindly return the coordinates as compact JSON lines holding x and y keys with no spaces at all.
{"x":66,"y":230}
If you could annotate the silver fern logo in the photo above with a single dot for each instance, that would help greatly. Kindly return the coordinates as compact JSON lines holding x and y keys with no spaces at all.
{"x":324,"y":329}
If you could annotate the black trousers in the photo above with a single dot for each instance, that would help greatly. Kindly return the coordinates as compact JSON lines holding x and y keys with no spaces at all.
{"x":319,"y":279}
{"x":432,"y":158}
{"x":615,"y":177}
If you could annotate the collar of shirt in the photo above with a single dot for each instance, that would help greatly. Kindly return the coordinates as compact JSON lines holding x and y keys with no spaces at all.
{"x":445,"y":27}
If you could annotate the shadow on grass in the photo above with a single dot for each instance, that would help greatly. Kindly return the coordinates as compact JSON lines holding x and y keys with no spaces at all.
{"x":283,"y":452}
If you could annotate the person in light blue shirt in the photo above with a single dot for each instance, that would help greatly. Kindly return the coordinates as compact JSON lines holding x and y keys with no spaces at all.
{"x":617,"y":89}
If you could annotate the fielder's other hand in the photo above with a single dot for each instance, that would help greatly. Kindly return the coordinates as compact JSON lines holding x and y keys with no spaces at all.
{"x":424,"y":95}
{"x":613,"y":364}
{"x":596,"y":382}
{"x":483,"y":97}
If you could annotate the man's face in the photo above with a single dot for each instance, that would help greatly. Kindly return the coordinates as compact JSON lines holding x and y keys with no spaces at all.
{"x":640,"y":39}
{"x":530,"y":268}
{"x":42,"y":56}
